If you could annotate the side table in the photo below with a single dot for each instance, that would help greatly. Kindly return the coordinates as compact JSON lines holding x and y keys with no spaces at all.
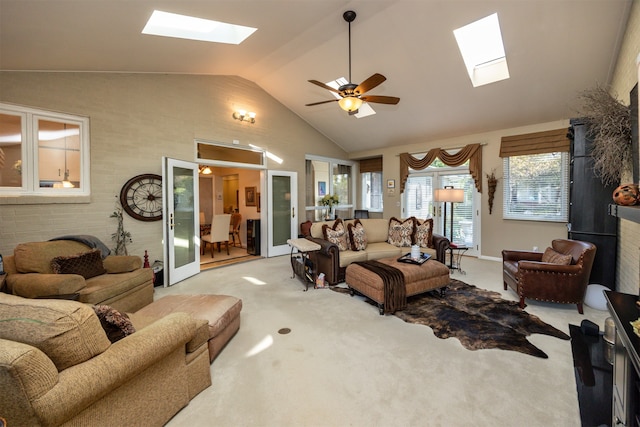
{"x":301,"y":264}
{"x":455,"y":259}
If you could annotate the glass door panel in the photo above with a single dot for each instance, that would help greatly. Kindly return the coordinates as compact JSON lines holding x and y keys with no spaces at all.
{"x":181,"y":212}
{"x":283,"y":218}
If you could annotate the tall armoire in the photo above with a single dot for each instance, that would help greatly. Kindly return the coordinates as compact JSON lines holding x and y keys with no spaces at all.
{"x":589,"y":199}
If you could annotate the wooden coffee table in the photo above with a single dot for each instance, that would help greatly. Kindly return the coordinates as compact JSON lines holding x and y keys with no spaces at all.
{"x":417,"y":279}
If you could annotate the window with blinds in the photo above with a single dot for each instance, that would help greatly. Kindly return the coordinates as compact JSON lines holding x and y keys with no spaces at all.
{"x":371,"y":184}
{"x":536,"y":187}
{"x":536,"y":176}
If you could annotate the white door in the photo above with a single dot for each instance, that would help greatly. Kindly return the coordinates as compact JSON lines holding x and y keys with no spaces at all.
{"x":181,"y":231}
{"x":282,"y":188}
{"x":418,"y":201}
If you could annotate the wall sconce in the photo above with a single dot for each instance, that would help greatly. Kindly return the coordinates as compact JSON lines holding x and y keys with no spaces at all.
{"x":205,"y":170}
{"x":244,"y":116}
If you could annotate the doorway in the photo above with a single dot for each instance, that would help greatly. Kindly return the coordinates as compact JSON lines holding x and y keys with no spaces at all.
{"x":419,"y":201}
{"x":223,"y":190}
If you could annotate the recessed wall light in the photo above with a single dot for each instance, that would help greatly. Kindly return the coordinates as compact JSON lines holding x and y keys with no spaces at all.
{"x":188,"y":27}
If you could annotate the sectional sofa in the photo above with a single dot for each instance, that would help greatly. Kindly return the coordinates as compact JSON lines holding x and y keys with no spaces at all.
{"x":384,"y":238}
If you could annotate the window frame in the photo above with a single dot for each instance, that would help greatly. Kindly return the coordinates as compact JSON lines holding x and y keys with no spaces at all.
{"x":366,"y":199}
{"x":30,"y":187}
{"x":508,"y":214}
{"x":332,"y":162}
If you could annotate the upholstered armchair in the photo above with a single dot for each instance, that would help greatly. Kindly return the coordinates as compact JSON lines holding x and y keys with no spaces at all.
{"x":560,"y":274}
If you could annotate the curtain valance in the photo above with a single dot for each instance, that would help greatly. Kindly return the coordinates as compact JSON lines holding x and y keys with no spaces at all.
{"x":471,"y":152}
{"x":551,"y":141}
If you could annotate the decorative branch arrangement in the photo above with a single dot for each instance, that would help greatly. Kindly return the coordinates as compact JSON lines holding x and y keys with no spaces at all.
{"x":609,"y":123}
{"x":121,"y":236}
{"x":492,"y":182}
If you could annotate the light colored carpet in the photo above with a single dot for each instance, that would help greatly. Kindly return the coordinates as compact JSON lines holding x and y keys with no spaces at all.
{"x":345,"y":365}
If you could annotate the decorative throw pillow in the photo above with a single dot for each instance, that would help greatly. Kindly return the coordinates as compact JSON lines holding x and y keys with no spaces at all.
{"x":424,"y":233}
{"x":115,"y":324}
{"x":554,"y":257}
{"x":357,"y":236}
{"x":336,"y":234}
{"x":88,"y":264}
{"x":401,"y":233}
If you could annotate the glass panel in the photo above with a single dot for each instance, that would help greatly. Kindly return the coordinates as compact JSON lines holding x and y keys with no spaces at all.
{"x":536,"y":187}
{"x":462,"y":212}
{"x":342,"y":183}
{"x":183,"y":205}
{"x":419,"y":196}
{"x":11,"y":140}
{"x":281,"y":209}
{"x":58,"y":154}
{"x":234,"y":154}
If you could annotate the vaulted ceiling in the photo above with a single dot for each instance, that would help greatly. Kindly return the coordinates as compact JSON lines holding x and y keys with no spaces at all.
{"x":555,"y":49}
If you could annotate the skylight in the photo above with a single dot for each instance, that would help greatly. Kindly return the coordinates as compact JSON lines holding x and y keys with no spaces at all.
{"x":364,"y":110}
{"x":482,"y":49}
{"x":186,"y":27}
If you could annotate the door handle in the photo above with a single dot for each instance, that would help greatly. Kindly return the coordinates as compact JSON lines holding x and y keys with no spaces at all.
{"x":171,"y":223}
{"x":293,"y":212}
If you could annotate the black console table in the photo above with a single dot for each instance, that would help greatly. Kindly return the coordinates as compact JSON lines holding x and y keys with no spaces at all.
{"x":626,"y":363}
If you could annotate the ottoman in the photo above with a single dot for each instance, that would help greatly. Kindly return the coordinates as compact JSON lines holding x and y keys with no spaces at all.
{"x":222,"y":312}
{"x":417,"y":279}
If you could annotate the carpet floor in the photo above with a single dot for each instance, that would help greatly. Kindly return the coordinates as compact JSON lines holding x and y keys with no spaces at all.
{"x":343,"y":364}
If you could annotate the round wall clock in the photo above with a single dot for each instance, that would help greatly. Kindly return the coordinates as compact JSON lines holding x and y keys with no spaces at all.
{"x":141,"y":197}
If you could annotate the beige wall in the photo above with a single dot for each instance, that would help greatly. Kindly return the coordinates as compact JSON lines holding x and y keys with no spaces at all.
{"x":135,"y":120}
{"x":495,"y":233}
{"x":626,"y":75}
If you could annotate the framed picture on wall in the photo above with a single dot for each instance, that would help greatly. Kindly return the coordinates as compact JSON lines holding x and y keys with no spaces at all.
{"x":250,"y":196}
{"x":258,"y":202}
{"x":391,"y":183}
{"x":322,"y":188}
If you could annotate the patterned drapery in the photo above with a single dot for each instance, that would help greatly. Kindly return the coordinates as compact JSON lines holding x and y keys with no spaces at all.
{"x":471,"y":152}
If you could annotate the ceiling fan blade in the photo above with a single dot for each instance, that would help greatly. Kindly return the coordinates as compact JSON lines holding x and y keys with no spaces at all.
{"x":381,"y":99}
{"x":321,"y":102}
{"x":370,"y":83}
{"x":324,"y":86}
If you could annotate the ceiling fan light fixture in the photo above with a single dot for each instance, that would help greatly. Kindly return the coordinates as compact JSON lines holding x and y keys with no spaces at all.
{"x":350,"y":103}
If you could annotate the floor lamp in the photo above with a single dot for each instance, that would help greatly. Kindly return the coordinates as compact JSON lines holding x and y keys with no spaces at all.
{"x":451,"y":195}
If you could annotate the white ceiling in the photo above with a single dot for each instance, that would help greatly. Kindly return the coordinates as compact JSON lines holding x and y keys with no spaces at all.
{"x":555,"y":49}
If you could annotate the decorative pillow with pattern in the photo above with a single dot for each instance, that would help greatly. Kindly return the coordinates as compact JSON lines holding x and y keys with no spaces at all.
{"x":401,"y":233}
{"x":554,"y":257}
{"x":336,"y":234}
{"x":357,"y":236}
{"x":87,"y":265}
{"x":424,"y":233}
{"x":115,"y":324}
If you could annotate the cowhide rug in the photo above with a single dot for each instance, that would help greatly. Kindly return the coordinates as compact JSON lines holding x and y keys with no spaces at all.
{"x":478,"y":318}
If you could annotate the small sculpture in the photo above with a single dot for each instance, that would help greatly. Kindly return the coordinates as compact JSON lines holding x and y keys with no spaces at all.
{"x":626,"y":195}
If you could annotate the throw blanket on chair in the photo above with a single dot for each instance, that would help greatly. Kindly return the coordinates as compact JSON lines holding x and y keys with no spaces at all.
{"x":395,"y":293}
{"x":91,"y":241}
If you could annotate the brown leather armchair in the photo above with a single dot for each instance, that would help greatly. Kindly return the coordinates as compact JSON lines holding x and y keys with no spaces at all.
{"x":526,"y":274}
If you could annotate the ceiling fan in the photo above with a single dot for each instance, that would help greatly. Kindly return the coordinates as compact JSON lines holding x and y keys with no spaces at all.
{"x":352,"y":95}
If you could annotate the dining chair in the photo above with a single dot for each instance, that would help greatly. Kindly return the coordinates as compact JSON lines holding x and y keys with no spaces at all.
{"x":219,"y":233}
{"x":234,"y":230}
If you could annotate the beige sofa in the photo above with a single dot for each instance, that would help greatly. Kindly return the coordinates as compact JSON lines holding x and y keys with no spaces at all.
{"x":333,"y":262}
{"x":125,"y":285}
{"x":57,"y":366}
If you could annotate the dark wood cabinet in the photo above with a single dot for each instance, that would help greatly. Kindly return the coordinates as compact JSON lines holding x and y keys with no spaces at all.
{"x":626,"y":364}
{"x":253,"y":236}
{"x":589,"y":200}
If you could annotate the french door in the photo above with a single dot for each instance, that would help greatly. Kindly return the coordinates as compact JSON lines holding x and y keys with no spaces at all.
{"x":282,"y":188}
{"x":418,"y":201}
{"x":181,"y":230}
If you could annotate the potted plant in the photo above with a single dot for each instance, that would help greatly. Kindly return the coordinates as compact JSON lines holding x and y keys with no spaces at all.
{"x":329,"y":201}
